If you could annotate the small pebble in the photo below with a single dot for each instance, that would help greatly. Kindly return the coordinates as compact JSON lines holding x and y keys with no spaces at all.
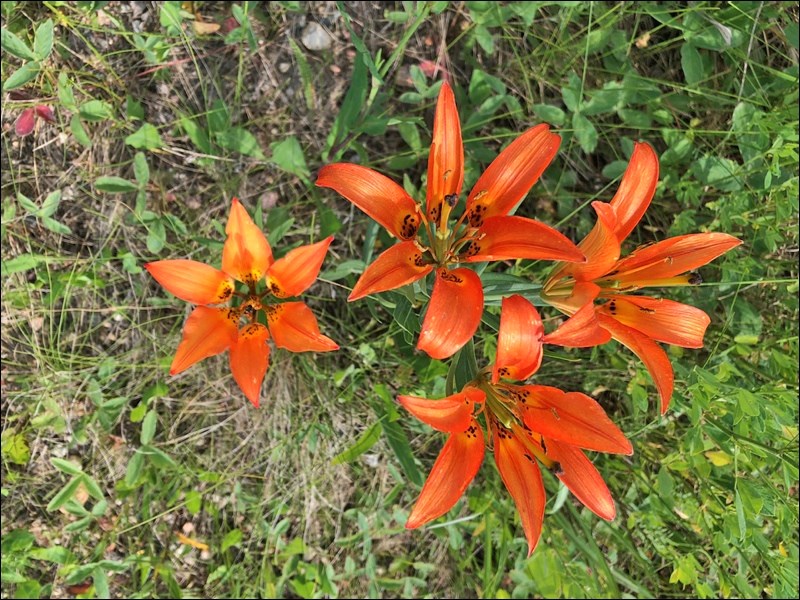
{"x":315,"y":37}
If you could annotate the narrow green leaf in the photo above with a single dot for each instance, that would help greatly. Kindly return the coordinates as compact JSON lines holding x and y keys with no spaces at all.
{"x":29,"y":205}
{"x":159,"y":458}
{"x":134,"y":469}
{"x":50,"y":204}
{"x":77,"y":129}
{"x":692,"y":64}
{"x":149,"y":427}
{"x":65,"y":94}
{"x":141,"y":170}
{"x":364,"y":442}
{"x":100,"y":580}
{"x":21,"y":76}
{"x":92,"y":487}
{"x":232,"y":538}
{"x":114,"y":185}
{"x":43,"y":40}
{"x":197,"y":134}
{"x":14,"y":45}
{"x":64,"y":494}
{"x":66,"y":466}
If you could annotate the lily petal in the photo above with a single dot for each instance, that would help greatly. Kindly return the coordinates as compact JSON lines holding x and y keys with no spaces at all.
{"x":601,"y":248}
{"x":635,"y":190}
{"x":504,"y":238}
{"x":506,"y":181}
{"x":523,"y":480}
{"x":671,"y":257}
{"x":452,"y":414}
{"x":582,"y":478}
{"x":454,"y":312}
{"x":663,"y":320}
{"x":446,"y":158}
{"x":249,"y":360}
{"x":292,"y":274}
{"x":294,"y":327}
{"x":398,"y":266}
{"x":570,"y":417}
{"x":207,"y":332}
{"x":192,"y":281}
{"x":649,"y":352}
{"x":519,"y":345}
{"x":375,"y":194}
{"x":454,"y":469}
{"x":246,"y":254}
{"x":581,"y":330}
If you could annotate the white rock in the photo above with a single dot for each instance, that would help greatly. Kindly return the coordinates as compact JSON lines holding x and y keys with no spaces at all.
{"x":315,"y":37}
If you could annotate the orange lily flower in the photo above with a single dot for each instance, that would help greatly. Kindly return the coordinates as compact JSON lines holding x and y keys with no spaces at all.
{"x":528,"y":424}
{"x":636,"y":321}
{"x":428,"y":242}
{"x":211,"y":329}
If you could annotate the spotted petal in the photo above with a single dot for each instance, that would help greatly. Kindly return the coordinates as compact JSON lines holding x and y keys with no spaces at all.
{"x":446,"y":158}
{"x":571,"y":417}
{"x":660,"y":319}
{"x":292,"y":274}
{"x":398,"y":266}
{"x":506,"y":181}
{"x":375,"y":194}
{"x":294,"y":327}
{"x":192,"y":281}
{"x":249,"y":359}
{"x":519,"y":341}
{"x":523,"y":480}
{"x":454,"y":312}
{"x":246,"y":254}
{"x":508,"y":238}
{"x":454,"y":469}
{"x":207,"y":332}
{"x":452,"y":414}
{"x":582,"y":478}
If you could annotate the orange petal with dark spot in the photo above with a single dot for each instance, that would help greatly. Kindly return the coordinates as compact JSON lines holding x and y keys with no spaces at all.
{"x":452,"y":414}
{"x":519,"y":341}
{"x":671,"y":257}
{"x":573,"y":418}
{"x":207,"y":332}
{"x":454,"y":312}
{"x":635,"y":190}
{"x":246,"y":254}
{"x":446,"y":158}
{"x":375,"y":194}
{"x":506,"y":181}
{"x":454,"y":469}
{"x":398,"y":266}
{"x":249,"y":360}
{"x":294,"y":327}
{"x":523,"y":480}
{"x":663,"y":320}
{"x":582,"y":478}
{"x":648,"y":351}
{"x":192,"y":281}
{"x":509,"y":238}
{"x":581,"y":330}
{"x":295,"y":272}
